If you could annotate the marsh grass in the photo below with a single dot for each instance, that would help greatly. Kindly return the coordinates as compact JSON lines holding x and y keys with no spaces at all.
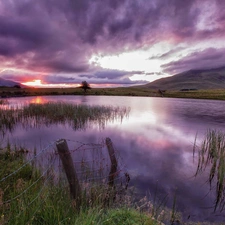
{"x":78,"y":116}
{"x":212,"y":154}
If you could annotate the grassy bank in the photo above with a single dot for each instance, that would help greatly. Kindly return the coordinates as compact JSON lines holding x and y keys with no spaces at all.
{"x":27,"y":199}
{"x":12,"y":92}
{"x":198,"y":94}
{"x":120,"y":91}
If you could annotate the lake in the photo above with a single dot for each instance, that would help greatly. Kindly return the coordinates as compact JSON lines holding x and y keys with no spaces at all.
{"x":155,"y":141}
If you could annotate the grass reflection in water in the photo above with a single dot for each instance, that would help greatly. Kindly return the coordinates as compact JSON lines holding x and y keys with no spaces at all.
{"x":78,"y":116}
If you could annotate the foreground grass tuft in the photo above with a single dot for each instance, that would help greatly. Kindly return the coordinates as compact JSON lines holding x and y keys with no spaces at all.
{"x":27,"y":199}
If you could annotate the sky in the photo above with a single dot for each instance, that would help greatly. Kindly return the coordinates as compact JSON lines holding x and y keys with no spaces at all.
{"x":110,"y":43}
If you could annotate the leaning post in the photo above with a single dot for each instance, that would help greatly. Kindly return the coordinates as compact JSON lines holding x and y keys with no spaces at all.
{"x":65,"y":156}
{"x":113,"y":159}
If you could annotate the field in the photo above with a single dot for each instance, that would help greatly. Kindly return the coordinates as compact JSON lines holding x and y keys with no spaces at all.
{"x":10,"y":92}
{"x":217,"y":94}
{"x":198,"y":94}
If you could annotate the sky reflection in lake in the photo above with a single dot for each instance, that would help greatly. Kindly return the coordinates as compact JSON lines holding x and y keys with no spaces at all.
{"x":155,"y":142}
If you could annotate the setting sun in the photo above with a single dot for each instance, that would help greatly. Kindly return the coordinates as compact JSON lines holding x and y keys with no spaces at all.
{"x":34,"y":83}
{"x":40,"y":84}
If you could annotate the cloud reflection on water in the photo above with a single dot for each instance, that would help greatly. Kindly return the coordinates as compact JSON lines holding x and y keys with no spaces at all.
{"x":155,"y":142}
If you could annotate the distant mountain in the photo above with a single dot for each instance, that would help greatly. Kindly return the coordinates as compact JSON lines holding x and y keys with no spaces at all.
{"x":192,"y":79}
{"x":9,"y":83}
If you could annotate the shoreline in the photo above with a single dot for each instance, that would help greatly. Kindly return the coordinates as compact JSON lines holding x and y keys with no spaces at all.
{"x":213,"y":94}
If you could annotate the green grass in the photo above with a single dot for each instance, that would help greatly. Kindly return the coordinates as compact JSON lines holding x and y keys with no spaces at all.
{"x":23,"y":200}
{"x":217,"y":94}
{"x":198,"y":94}
{"x":120,"y":91}
{"x":127,"y":216}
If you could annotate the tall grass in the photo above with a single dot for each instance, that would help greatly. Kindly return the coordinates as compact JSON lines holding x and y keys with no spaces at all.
{"x":78,"y":116}
{"x":212,"y":154}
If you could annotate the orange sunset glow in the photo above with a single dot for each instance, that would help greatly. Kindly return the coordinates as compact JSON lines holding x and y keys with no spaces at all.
{"x":38,"y":100}
{"x":34,"y":83}
{"x":40,"y":84}
{"x":138,"y":41}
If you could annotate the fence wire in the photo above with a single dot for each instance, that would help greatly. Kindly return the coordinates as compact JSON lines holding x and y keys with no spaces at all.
{"x":92,"y":164}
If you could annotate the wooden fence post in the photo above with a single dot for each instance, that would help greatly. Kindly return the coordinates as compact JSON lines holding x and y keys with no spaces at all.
{"x":113,"y":169}
{"x":64,"y":154}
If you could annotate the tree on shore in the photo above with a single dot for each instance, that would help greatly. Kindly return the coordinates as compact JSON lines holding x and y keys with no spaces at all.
{"x":85,"y":85}
{"x":17,"y":86}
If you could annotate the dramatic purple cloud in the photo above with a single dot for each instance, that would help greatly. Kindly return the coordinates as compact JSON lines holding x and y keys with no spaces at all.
{"x":61,"y":41}
{"x":204,"y":59}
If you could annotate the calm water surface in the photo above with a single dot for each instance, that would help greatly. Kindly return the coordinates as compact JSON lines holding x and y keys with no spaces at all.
{"x":155,"y":141}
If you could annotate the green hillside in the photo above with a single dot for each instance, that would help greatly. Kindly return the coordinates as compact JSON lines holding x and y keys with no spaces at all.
{"x":193,"y":79}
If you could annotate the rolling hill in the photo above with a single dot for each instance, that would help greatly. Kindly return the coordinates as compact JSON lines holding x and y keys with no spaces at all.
{"x":9,"y":83}
{"x":192,"y":79}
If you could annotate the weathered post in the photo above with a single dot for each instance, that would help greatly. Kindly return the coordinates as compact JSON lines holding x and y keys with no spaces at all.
{"x":64,"y":154}
{"x":112,"y":156}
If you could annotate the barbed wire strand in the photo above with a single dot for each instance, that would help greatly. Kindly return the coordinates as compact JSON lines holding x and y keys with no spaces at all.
{"x":43,"y":174}
{"x":36,"y":197}
{"x":87,"y":175}
{"x":17,"y":170}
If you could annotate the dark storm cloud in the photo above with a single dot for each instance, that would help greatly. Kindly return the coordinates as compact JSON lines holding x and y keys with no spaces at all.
{"x":59,"y":79}
{"x":91,"y":79}
{"x":41,"y":36}
{"x":168,"y":54}
{"x":46,"y":22}
{"x":114,"y":77}
{"x":119,"y":82}
{"x":155,"y":73}
{"x":61,"y":36}
{"x":111,"y":74}
{"x":16,"y":29}
{"x":206,"y":59}
{"x":9,"y":75}
{"x":61,"y":66}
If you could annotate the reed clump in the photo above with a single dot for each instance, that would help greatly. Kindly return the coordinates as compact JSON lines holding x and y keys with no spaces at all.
{"x":78,"y":116}
{"x":212,"y":154}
